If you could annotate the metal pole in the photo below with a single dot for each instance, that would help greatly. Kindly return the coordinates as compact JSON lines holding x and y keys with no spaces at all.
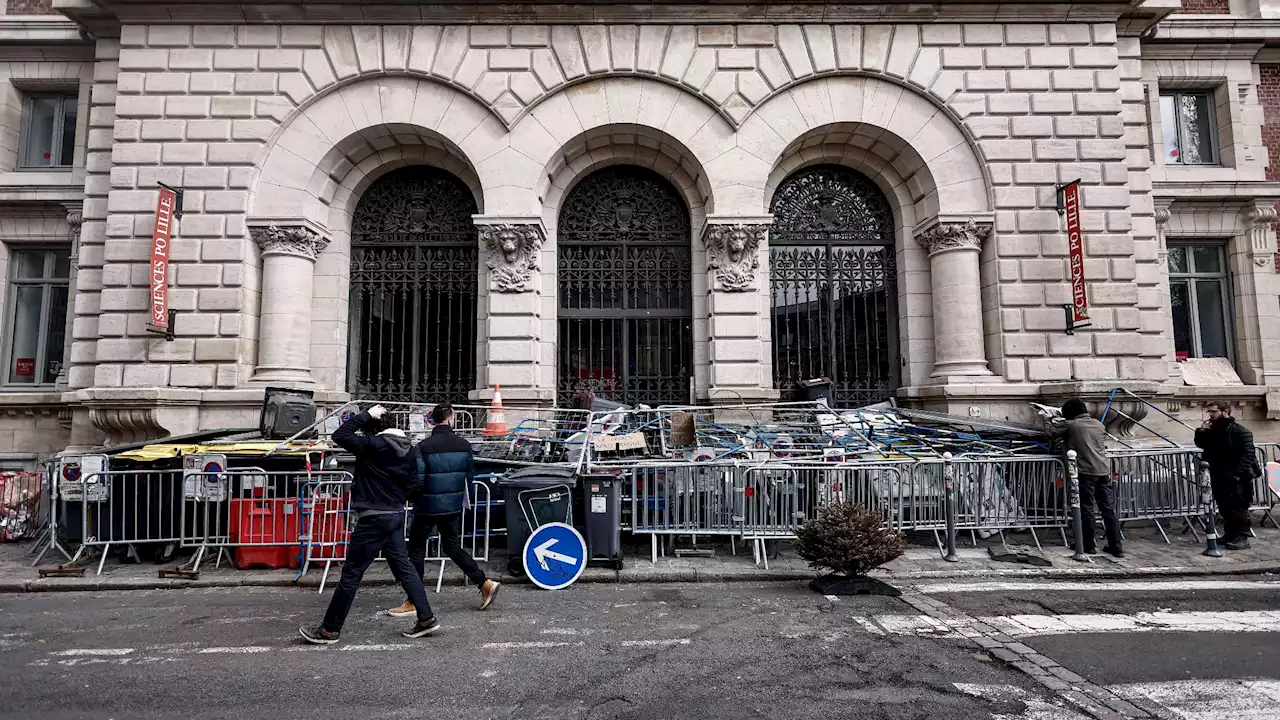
{"x":1077,"y":527}
{"x":1211,"y":523}
{"x":948,"y":478}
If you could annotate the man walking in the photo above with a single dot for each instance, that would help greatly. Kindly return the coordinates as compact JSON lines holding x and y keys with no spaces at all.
{"x":1087,"y":437}
{"x":383,"y":473}
{"x":1228,"y":448}
{"x":447,"y":467}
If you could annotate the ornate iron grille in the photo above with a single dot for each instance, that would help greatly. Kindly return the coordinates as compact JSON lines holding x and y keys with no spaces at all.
{"x":833,"y":285}
{"x":625,"y":299}
{"x":414,"y":278}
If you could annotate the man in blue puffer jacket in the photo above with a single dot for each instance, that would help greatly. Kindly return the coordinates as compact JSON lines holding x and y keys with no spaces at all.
{"x":447,"y":467}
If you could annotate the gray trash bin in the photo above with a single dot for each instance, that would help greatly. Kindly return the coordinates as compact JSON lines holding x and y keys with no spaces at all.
{"x":533,"y":497}
{"x":602,"y":506}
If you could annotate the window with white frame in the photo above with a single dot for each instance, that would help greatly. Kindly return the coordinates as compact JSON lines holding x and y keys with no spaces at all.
{"x":1201,"y":302}
{"x":1190,"y":134}
{"x":48,"y":130}
{"x":36,"y":316}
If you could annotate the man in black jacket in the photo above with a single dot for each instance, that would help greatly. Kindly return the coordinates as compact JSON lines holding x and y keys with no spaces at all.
{"x":385,"y":468}
{"x":1233,"y":465}
{"x":448,"y":465}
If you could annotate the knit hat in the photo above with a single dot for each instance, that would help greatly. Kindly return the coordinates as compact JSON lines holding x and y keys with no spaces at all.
{"x":1074,"y":408}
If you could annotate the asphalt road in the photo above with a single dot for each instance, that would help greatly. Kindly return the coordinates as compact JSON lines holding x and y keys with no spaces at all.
{"x":772,"y":650}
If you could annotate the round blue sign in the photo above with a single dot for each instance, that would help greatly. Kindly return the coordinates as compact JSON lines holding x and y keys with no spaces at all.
{"x":555,"y":556}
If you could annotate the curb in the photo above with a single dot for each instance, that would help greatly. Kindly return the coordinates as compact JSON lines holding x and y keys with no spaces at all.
{"x":601,"y":576}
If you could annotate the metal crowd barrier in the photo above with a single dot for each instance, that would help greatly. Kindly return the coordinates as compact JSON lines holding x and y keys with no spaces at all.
{"x":328,"y":521}
{"x":124,"y":507}
{"x":1263,"y":498}
{"x":1156,"y":484}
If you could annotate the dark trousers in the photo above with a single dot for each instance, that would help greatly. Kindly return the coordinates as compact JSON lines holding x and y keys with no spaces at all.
{"x":1096,"y":491}
{"x":450,"y":527}
{"x":373,"y":534}
{"x":1233,"y":497}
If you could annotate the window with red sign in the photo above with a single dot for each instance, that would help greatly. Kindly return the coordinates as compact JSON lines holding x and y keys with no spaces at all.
{"x":49,"y":130}
{"x":1190,"y":134}
{"x":36,"y":311}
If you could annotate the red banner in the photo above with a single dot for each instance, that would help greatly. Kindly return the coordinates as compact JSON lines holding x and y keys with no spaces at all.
{"x":160,"y":259}
{"x":1075,"y":244}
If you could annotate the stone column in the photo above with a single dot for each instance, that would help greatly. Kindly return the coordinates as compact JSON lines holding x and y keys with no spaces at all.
{"x":75,"y":218}
{"x":513,"y":355}
{"x":1162,"y":215}
{"x":1254,"y":292}
{"x":740,"y":354}
{"x":289,"y":251}
{"x":954,"y":247}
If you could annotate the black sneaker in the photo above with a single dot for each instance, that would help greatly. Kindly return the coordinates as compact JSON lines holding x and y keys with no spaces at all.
{"x":423,"y":628}
{"x":1240,"y":543}
{"x":1113,"y":551}
{"x":318,"y":635}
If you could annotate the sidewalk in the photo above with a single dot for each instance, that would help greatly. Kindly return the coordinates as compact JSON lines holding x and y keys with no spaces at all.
{"x":1146,"y":555}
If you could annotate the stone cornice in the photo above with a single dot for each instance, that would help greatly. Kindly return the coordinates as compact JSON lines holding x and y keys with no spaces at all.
{"x":517,"y":12}
{"x":1216,"y":192}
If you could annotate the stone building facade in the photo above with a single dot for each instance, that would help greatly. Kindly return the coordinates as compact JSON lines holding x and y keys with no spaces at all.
{"x":665,"y":202}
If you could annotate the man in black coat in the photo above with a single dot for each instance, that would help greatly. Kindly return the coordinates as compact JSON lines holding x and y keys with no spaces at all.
{"x":448,"y":465}
{"x":385,"y":469}
{"x":1233,"y":465}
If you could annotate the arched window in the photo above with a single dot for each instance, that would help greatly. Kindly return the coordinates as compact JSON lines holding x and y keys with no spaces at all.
{"x":624,"y":283}
{"x":832,"y":281}
{"x":414,"y":277}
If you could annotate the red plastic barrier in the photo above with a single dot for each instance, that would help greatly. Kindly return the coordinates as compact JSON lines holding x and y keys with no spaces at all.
{"x":272,"y":526}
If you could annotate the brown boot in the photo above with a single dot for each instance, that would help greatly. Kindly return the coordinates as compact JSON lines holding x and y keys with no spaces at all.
{"x":489,"y":591}
{"x":406,"y":609}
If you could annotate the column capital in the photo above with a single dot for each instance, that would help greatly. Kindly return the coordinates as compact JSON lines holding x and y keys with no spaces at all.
{"x":943,"y":235}
{"x":512,"y":246}
{"x":733,"y":248}
{"x":298,"y":237}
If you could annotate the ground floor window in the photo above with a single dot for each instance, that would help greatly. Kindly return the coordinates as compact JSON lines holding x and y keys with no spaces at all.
{"x":1200,"y":300}
{"x":36,"y":316}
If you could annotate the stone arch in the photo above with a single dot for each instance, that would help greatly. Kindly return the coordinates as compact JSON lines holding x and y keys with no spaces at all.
{"x":887,"y":125}
{"x":354,"y":127}
{"x":325,"y":156}
{"x":917,"y":155}
{"x":605,"y":112}
{"x":620,"y":120}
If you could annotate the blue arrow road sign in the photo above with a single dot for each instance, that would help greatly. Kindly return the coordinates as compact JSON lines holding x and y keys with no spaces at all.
{"x":555,"y":556}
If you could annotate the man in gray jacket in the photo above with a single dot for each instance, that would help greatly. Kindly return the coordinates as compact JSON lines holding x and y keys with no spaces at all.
{"x":1087,"y":437}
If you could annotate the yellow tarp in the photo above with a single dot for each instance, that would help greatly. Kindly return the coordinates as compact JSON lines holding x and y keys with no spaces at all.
{"x":162,"y":451}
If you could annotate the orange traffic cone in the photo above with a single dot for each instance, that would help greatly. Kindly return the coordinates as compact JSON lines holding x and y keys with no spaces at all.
{"x":497,"y":423}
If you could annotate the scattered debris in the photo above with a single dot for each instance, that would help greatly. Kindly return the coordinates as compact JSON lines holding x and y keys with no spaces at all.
{"x":1021,"y":554}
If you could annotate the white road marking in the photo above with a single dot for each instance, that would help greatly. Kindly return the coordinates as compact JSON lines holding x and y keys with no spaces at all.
{"x":93,"y":652}
{"x":1209,"y":699}
{"x":1090,"y":586}
{"x":524,"y":645}
{"x":368,"y":648}
{"x":868,"y":625}
{"x":246,"y":650}
{"x":1040,"y":625}
{"x":655,"y":643}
